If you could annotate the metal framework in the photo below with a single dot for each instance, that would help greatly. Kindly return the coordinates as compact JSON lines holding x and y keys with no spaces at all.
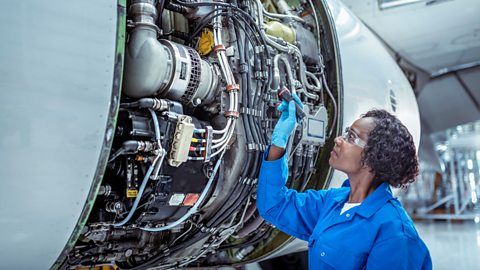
{"x":459,"y":190}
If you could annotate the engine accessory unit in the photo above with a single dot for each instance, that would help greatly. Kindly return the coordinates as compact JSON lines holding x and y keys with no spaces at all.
{"x":315,"y":126}
{"x":181,"y":141}
{"x":201,"y":83}
{"x":164,"y":67}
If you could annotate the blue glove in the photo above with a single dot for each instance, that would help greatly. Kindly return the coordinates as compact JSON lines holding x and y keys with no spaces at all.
{"x":287,"y":122}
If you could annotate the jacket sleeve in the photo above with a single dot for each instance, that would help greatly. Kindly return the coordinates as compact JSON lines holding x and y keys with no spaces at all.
{"x":400,"y":252}
{"x":290,"y":211}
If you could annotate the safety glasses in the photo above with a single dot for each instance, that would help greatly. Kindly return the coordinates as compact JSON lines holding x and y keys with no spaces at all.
{"x":351,"y":137}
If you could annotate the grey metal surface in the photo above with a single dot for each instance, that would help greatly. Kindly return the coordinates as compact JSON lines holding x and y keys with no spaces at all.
{"x":430,"y":35}
{"x":444,"y":104}
{"x":55,"y":87}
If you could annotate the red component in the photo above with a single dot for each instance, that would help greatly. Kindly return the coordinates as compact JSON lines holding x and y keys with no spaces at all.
{"x":191,"y":199}
{"x":219,"y":47}
{"x":282,"y":92}
{"x":233,"y":87}
{"x":233,"y":114}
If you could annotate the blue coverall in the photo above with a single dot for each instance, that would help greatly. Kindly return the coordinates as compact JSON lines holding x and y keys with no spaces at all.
{"x":377,"y":234}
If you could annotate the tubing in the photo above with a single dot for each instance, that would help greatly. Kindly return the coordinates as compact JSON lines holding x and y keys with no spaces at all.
{"x":334,"y":104}
{"x":140,"y":193}
{"x":279,"y":16}
{"x":194,"y":207}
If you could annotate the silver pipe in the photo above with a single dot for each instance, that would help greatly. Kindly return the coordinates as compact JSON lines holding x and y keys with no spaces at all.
{"x":334,"y":104}
{"x":278,"y":16}
{"x":276,"y":72}
{"x":143,"y":11}
{"x":161,"y":151}
{"x":283,"y":6}
{"x":230,"y":79}
{"x":318,"y":83}
{"x":290,"y":49}
{"x":224,"y":129}
{"x":303,"y":79}
{"x":142,"y":53}
{"x":224,"y":145}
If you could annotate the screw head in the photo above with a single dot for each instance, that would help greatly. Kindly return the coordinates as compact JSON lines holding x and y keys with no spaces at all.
{"x":196,"y":101}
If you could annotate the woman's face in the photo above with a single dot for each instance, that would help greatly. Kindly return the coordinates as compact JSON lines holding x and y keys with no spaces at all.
{"x":347,"y":153}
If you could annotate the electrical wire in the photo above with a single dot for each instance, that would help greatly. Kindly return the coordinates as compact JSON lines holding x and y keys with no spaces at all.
{"x":140,"y":192}
{"x":317,"y":28}
{"x":118,"y":153}
{"x":194,"y":208}
{"x":334,"y":102}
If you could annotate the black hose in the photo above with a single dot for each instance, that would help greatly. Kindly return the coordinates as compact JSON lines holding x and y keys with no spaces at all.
{"x":160,"y":6}
{"x":233,"y":198}
{"x":176,"y":8}
{"x":306,"y":172}
{"x":246,"y":189}
{"x":252,"y":241}
{"x":153,"y":261}
{"x":204,"y":22}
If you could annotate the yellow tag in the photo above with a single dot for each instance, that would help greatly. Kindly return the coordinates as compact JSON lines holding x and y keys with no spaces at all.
{"x":205,"y":44}
{"x":132,"y":193}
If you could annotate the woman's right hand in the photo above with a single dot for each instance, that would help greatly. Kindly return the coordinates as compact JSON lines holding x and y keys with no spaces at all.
{"x":287,"y":122}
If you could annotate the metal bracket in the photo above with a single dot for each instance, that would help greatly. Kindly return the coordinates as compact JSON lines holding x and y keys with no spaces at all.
{"x":208,"y":144}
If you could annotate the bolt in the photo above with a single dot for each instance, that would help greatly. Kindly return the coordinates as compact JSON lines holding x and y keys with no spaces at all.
{"x":128,"y":253}
{"x":196,"y":101}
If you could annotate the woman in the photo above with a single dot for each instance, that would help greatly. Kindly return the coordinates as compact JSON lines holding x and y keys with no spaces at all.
{"x":360,"y":225}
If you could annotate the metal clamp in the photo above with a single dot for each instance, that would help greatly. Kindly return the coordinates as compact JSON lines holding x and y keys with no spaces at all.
{"x":233,"y":114}
{"x":208,"y":145}
{"x":219,"y":48}
{"x":259,"y":49}
{"x":232,"y":87}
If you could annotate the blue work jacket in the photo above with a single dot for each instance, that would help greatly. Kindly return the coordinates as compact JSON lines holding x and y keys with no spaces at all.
{"x":377,"y":234}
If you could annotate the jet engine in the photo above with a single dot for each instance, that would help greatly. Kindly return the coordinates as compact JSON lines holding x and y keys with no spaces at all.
{"x":197,"y":110}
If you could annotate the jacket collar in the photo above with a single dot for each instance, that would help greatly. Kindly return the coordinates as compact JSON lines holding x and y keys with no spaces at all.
{"x":372,"y":203}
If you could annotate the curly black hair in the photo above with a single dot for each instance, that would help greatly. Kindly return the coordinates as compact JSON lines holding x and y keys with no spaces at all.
{"x":390,"y":150}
